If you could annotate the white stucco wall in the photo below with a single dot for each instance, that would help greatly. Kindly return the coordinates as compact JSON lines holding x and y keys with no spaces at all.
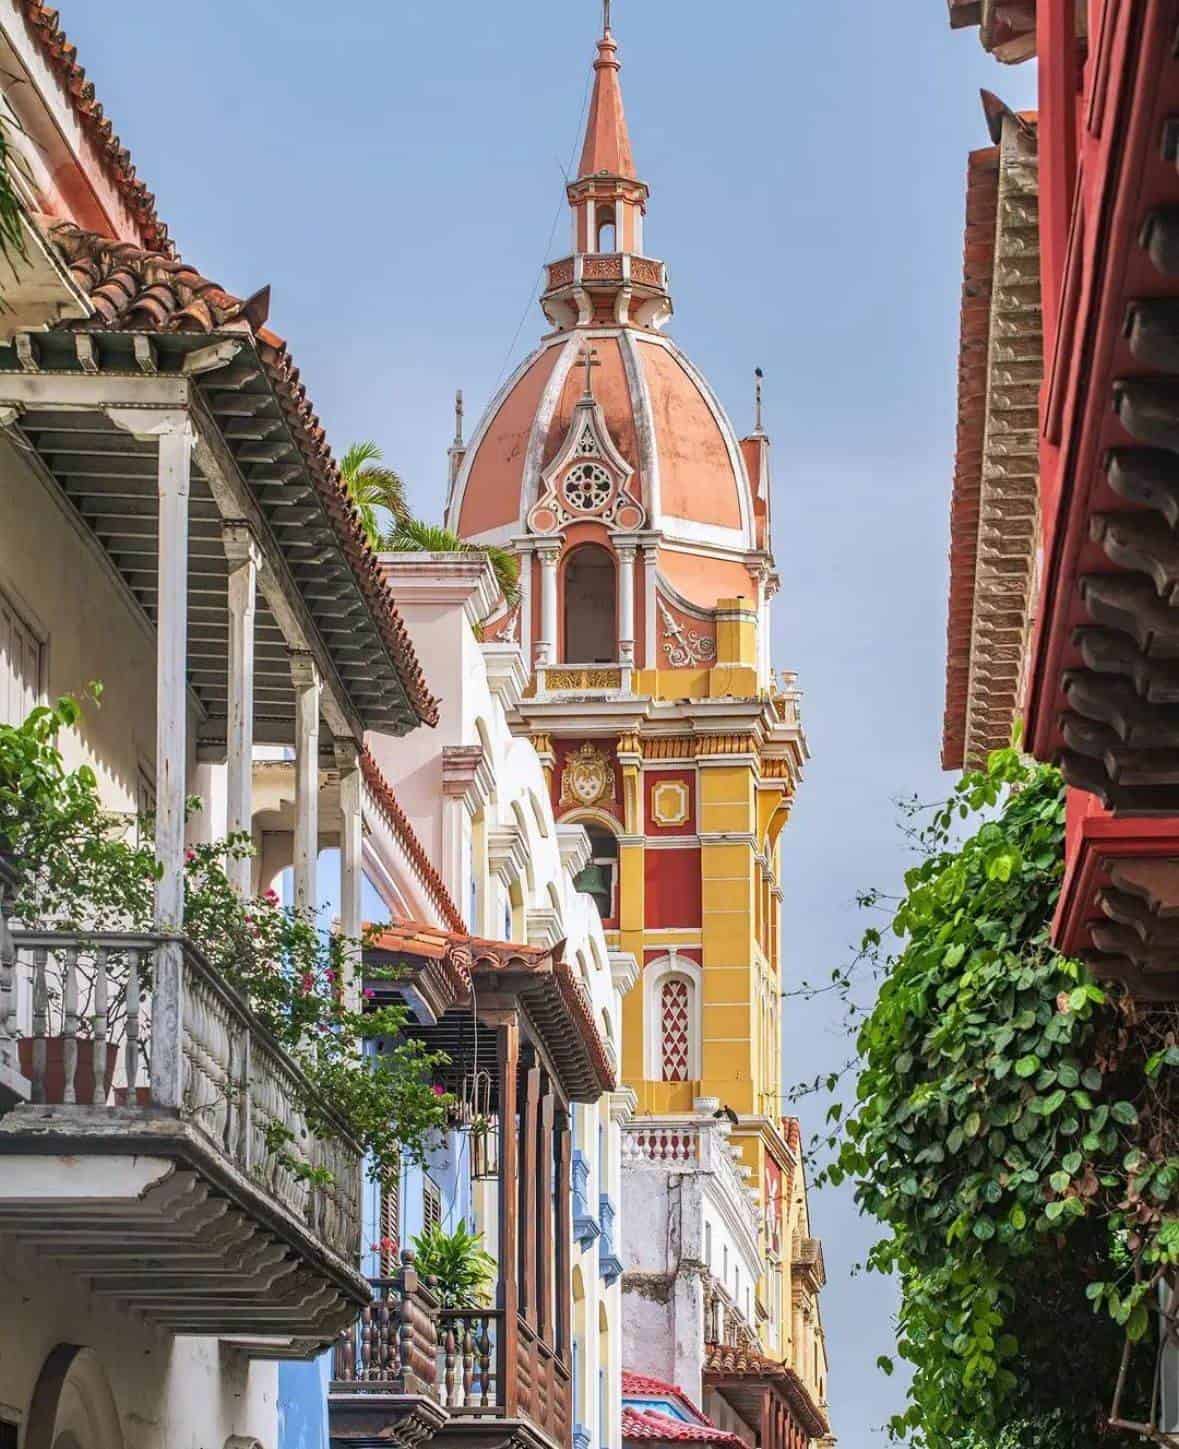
{"x":170,"y":1393}
{"x":437,"y":613}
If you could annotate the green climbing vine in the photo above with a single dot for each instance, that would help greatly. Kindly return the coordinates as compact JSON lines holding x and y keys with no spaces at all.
{"x":1014,"y":1131}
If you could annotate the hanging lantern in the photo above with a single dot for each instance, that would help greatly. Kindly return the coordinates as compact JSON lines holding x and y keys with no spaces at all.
{"x":480,"y":1123}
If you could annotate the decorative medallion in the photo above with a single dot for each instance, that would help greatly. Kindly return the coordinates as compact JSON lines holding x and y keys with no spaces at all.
{"x":669,"y":802}
{"x":588,"y":777}
{"x":567,"y":679}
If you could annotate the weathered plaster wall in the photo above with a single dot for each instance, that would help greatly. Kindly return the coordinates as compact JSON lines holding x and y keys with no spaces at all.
{"x":170,"y":1393}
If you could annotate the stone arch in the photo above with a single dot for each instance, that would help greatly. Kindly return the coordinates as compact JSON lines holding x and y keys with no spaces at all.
{"x":72,"y":1405}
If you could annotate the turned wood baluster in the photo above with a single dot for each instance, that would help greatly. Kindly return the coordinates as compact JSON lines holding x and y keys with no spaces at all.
{"x":344,"y":1366}
{"x":483,"y":1344}
{"x":468,"y":1359}
{"x":450,"y":1398}
{"x":366,"y":1342}
{"x":101,"y":1014}
{"x":383,"y":1337}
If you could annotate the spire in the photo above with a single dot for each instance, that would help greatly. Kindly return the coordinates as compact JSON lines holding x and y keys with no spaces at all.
{"x":607,"y":142}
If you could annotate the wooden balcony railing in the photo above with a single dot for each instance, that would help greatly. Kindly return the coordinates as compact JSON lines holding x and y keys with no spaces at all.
{"x":470,"y":1376}
{"x":393,"y":1347}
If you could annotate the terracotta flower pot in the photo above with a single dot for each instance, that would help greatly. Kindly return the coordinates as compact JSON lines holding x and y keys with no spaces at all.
{"x":55,"y":1067}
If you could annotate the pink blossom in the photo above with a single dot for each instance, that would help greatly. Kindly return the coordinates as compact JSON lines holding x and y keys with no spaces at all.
{"x":369,"y":993}
{"x":272,"y":897}
{"x":438,"y":1089}
{"x":189,"y":856}
{"x":306,"y":983}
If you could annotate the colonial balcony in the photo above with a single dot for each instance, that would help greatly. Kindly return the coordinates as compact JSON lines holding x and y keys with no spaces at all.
{"x":409,"y":1370}
{"x":515,"y":1025}
{"x":144,"y":1156}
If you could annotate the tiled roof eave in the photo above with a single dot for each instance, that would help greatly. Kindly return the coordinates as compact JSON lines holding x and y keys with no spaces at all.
{"x":139,"y":293}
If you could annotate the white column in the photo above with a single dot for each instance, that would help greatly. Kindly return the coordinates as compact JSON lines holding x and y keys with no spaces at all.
{"x":242,"y":552}
{"x":173,"y":471}
{"x":524,"y":555}
{"x":650,"y":622}
{"x":546,"y":645}
{"x":626,"y":603}
{"x":351,"y":870}
{"x":307,"y":691}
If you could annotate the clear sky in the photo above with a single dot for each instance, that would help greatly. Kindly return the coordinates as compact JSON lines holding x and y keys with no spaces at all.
{"x":394,"y":169}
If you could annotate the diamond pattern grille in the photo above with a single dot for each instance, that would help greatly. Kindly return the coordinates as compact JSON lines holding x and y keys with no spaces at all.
{"x":675,"y":1030}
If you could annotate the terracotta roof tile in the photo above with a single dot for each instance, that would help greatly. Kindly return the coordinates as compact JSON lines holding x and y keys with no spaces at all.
{"x":62,"y":58}
{"x":649,"y":1425}
{"x":982,"y":200}
{"x":133,"y":290}
{"x":726,"y":1362}
{"x":399,"y":823}
{"x":643,"y":1386}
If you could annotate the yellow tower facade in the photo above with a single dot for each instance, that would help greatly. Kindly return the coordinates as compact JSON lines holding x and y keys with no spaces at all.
{"x":642,"y":525}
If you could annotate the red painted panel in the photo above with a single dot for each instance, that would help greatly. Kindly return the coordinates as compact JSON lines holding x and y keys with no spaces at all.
{"x":673,"y":887}
{"x":650,"y":780}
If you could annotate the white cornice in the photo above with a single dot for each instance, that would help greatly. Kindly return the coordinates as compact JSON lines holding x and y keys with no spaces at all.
{"x":624,"y":971}
{"x":459,"y":579}
{"x":507,"y":673}
{"x":574,"y":845}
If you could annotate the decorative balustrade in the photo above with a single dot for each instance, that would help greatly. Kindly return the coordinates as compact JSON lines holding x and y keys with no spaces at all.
{"x":695,"y":1144}
{"x":123,"y":1021}
{"x":468,"y":1360}
{"x":393,"y":1348}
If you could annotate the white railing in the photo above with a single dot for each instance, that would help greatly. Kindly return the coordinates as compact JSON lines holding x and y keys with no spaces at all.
{"x":693,"y":1144}
{"x":123,"y":1022}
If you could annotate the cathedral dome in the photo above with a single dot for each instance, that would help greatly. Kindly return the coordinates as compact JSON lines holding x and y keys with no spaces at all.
{"x":607,"y":433}
{"x":688,"y":465}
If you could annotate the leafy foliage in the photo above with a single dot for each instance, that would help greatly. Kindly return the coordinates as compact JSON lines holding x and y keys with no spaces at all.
{"x":462,"y":1269}
{"x":373,"y":485}
{"x":1013,"y":1131}
{"x":13,"y":248}
{"x":413,"y":536}
{"x":83,"y":868}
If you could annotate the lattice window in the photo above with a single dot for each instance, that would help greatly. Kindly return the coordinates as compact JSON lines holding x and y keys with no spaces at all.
{"x":676,"y":1020}
{"x":587,"y":487}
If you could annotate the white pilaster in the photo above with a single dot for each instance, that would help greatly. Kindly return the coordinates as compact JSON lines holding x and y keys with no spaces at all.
{"x":626,"y":603}
{"x":524,"y":555}
{"x":351,"y":869}
{"x":650,"y":627}
{"x":546,"y":645}
{"x":307,"y":691}
{"x":243,"y":555}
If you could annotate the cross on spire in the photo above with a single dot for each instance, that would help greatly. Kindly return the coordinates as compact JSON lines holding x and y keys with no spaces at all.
{"x":589,"y":360}
{"x":605,"y":17}
{"x":758,"y":375}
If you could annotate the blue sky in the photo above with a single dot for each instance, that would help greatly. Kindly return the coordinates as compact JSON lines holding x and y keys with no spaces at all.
{"x":394,"y":170}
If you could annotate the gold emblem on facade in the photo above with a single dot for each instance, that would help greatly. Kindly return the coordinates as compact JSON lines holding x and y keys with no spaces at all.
{"x":588,"y":777}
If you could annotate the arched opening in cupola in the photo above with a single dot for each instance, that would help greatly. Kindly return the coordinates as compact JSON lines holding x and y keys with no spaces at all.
{"x":607,"y":240}
{"x":591,"y":622}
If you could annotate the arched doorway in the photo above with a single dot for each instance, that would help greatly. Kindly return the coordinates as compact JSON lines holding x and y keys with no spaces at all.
{"x":72,"y":1405}
{"x":591,"y":625}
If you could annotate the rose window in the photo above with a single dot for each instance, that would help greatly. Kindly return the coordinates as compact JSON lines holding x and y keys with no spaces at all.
{"x":587,"y":487}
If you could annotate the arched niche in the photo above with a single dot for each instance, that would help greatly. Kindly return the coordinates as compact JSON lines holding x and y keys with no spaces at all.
{"x":72,"y":1405}
{"x":591,"y":606}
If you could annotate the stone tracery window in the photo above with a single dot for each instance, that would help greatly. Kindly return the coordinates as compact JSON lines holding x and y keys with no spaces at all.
{"x":587,"y":487}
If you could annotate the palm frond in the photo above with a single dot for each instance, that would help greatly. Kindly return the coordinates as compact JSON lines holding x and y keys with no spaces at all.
{"x":412,"y":535}
{"x":372,"y":486}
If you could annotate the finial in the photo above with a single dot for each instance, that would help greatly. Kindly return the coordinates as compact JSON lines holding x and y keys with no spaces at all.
{"x":605,"y":17}
{"x":758,"y":375}
{"x":458,"y":418}
{"x":589,"y":360}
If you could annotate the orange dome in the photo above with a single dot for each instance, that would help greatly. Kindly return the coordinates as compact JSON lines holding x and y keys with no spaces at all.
{"x":689,"y":473}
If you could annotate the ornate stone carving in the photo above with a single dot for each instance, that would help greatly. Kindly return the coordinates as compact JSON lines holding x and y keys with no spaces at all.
{"x":565,"y":679}
{"x":669,"y":802}
{"x":683,"y":646}
{"x":588,"y":777}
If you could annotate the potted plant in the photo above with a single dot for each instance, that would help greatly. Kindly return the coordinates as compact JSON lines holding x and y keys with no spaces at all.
{"x":461,"y":1268}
